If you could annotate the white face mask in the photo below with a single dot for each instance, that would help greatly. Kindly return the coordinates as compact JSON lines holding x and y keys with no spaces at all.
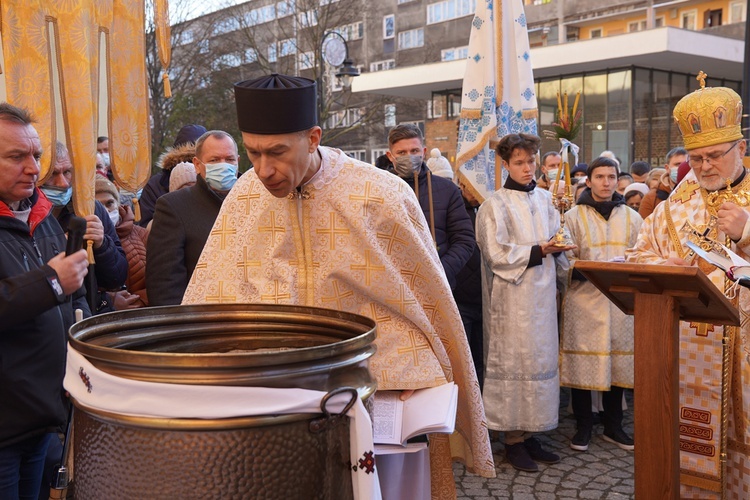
{"x":114,"y":216}
{"x":673,"y":173}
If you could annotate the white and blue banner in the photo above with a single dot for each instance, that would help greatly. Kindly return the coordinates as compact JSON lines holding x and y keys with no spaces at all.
{"x":498,"y":96}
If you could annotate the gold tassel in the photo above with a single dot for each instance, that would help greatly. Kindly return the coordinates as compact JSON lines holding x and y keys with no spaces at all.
{"x":136,"y":209}
{"x":167,"y":86}
{"x":90,"y":251}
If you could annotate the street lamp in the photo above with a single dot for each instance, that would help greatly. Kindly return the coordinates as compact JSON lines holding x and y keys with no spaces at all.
{"x":335,"y":52}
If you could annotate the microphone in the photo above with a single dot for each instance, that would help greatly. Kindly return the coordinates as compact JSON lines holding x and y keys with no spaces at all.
{"x":76,"y":230}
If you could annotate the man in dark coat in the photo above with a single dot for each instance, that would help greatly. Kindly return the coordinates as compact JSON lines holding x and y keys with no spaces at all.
{"x":158,"y":184}
{"x":440,"y":199}
{"x":468,"y":292}
{"x":183,"y":219}
{"x":39,"y":288}
{"x":111,"y":265}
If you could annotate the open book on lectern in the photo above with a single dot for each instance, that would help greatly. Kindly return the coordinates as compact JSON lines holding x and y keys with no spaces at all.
{"x":735,"y":267}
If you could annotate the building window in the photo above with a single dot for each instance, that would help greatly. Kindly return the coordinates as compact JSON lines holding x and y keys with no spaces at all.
{"x":454,"y":53}
{"x":345,"y":118}
{"x":251,"y":56}
{"x":712,"y":18}
{"x":389,"y":27}
{"x":306,"y":60}
{"x":287,"y":47}
{"x":659,"y":22}
{"x":411,"y":39}
{"x":357,"y":154}
{"x":436,"y":106}
{"x":688,"y":19}
{"x":403,"y":1}
{"x":272,"y":53}
{"x":449,"y":9}
{"x":636,"y":26}
{"x":227,"y":61}
{"x":737,"y":12}
{"x":596,"y":33}
{"x":285,"y":8}
{"x":382,"y":65}
{"x":184,"y":38}
{"x":377,"y":153}
{"x":354,"y":31}
{"x":226,"y":26}
{"x":261,"y":15}
{"x":308,"y":19}
{"x":390,"y":115}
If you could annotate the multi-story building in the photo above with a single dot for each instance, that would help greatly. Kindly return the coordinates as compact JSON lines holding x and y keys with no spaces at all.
{"x":631,"y":60}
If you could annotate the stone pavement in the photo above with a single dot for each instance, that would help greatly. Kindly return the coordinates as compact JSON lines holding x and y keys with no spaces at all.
{"x":604,"y":471}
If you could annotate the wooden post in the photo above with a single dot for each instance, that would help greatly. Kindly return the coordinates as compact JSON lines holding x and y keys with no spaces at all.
{"x":657,"y":444}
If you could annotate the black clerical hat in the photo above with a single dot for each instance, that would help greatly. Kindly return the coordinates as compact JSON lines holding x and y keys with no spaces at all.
{"x":276,"y":104}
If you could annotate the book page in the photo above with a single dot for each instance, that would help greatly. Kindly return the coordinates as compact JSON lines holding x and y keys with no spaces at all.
{"x":430,"y":410}
{"x":387,"y":413}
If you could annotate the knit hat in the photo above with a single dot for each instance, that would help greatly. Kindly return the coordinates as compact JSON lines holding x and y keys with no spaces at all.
{"x":182,"y":173}
{"x":581,"y":167}
{"x":103,"y":185}
{"x":439,"y":165}
{"x":637,"y":186}
{"x":188,"y":133}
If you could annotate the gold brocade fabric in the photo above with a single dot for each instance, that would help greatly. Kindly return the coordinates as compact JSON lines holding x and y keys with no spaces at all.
{"x":701,"y":358}
{"x":33,"y":31}
{"x":354,"y":240}
{"x":596,"y":345}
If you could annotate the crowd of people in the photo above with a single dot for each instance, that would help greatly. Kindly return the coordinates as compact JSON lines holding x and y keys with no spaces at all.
{"x":477,"y":294}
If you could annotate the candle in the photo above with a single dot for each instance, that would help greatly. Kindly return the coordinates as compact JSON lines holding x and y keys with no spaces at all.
{"x":557,"y":182}
{"x":565,"y":100}
{"x":567,"y":178}
{"x":559,"y":107}
{"x":575,"y":104}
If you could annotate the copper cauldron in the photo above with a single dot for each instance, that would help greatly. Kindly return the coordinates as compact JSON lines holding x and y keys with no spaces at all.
{"x":263,"y":345}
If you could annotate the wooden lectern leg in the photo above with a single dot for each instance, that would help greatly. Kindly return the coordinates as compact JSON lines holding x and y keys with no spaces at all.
{"x":657,"y":450}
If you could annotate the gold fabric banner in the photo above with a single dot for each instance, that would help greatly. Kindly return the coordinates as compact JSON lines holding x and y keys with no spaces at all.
{"x":56,"y":44}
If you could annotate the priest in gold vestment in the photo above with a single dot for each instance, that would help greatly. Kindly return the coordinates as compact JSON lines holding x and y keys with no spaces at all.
{"x":714,"y":198}
{"x":310,"y":226}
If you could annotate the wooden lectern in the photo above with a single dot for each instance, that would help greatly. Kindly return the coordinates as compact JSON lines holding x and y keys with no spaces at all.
{"x":659,"y":297}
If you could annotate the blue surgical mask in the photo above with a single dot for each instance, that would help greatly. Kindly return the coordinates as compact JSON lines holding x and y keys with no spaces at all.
{"x":105,"y":156}
{"x":673,"y":174}
{"x":221,"y":176}
{"x":58,"y":197}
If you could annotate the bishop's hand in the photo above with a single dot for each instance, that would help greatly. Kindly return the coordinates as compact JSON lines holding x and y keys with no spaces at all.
{"x":732,"y":220}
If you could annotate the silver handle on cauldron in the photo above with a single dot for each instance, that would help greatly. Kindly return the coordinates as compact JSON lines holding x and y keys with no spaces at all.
{"x":329,"y":420}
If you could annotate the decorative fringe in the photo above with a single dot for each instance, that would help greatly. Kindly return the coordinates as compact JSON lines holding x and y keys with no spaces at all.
{"x":167,"y":86}
{"x":137,"y":206}
{"x":163,"y":42}
{"x":528,"y":114}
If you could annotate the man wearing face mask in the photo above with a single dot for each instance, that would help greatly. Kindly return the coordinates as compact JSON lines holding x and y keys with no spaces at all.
{"x":111,"y":267}
{"x":183,"y":219}
{"x":667,"y":183}
{"x":451,"y":228}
